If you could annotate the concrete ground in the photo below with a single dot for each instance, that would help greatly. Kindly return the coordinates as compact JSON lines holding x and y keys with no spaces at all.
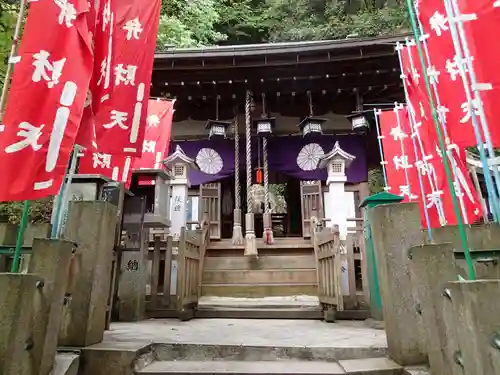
{"x":275,"y":333}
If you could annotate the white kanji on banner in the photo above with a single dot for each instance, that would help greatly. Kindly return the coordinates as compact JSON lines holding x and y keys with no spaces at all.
{"x":68,"y":12}
{"x":401,"y":162}
{"x":101,"y":160}
{"x":467,"y":110}
{"x":125,"y":75}
{"x":133,"y":28}
{"x":43,"y":67}
{"x":117,"y":118}
{"x":30,"y":134}
{"x":149,"y":146}
{"x":438,"y":23}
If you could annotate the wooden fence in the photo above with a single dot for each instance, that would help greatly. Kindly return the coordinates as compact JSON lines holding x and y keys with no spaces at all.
{"x":327,"y":252}
{"x":178,"y":296}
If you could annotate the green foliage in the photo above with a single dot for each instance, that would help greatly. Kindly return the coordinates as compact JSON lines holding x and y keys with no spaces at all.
{"x":375,"y":180}
{"x":188,"y":23}
{"x":8,"y":14}
{"x":40,"y":211}
{"x":191,"y":23}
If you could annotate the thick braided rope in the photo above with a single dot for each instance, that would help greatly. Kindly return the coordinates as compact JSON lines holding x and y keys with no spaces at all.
{"x":237,"y":186}
{"x":266,"y":176}
{"x":248,"y":151}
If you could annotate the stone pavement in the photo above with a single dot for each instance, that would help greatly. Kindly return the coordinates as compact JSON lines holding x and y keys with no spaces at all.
{"x":275,"y":333}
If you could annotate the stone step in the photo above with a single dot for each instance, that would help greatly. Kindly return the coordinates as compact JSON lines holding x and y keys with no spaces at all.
{"x":263,"y":262}
{"x":259,"y":290}
{"x":271,"y":276}
{"x":259,"y":313}
{"x":370,"y":366}
{"x":265,"y":353}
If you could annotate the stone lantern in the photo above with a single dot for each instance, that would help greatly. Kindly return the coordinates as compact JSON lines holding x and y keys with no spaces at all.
{"x":336,"y":162}
{"x":180,"y":164}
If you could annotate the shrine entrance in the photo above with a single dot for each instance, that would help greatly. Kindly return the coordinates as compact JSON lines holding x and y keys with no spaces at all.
{"x":292,"y":202}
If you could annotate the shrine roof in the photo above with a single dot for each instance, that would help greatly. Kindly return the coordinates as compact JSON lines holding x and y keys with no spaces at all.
{"x":277,"y":48}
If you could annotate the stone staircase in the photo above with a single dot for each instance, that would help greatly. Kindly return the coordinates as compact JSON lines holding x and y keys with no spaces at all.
{"x":241,"y":347}
{"x":169,"y":359}
{"x":281,"y":283}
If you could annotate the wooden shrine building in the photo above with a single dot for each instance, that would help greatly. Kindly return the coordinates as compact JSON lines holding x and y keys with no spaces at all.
{"x":290,"y":83}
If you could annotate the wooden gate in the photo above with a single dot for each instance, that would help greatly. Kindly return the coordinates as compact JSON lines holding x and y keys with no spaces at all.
{"x":311,"y":194}
{"x":192,"y":248}
{"x":327,"y":251}
{"x":210,"y":202}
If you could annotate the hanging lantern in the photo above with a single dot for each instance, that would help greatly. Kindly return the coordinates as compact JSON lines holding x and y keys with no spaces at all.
{"x":359,"y":120}
{"x":312,"y":125}
{"x":217,"y":128}
{"x":259,"y":176}
{"x":264,"y":126}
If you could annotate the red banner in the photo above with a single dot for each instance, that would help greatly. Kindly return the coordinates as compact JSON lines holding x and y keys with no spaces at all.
{"x":397,"y":150}
{"x":125,"y":46}
{"x":46,"y":99}
{"x":115,"y":167}
{"x":157,"y":135}
{"x":439,"y":202}
{"x":444,"y":68}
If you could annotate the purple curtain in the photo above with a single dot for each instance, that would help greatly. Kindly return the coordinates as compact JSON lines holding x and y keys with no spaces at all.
{"x":294,"y":155}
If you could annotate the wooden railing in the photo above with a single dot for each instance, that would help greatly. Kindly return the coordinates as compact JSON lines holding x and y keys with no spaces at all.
{"x":192,"y":249}
{"x":326,"y":243}
{"x":189,"y":253}
{"x":359,"y":292}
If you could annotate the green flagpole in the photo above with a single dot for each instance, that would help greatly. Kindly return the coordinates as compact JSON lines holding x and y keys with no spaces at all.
{"x":20,"y":237}
{"x":442,"y":146}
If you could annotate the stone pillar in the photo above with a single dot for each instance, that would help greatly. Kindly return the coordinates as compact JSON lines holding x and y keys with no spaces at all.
{"x":337,"y":201}
{"x":50,"y":260}
{"x":432,"y":267}
{"x":336,"y":208}
{"x":477,"y":311}
{"x":180,"y":164}
{"x":395,"y":229}
{"x":133,"y":276}
{"x":479,"y":237}
{"x":17,"y":296}
{"x":92,"y":226}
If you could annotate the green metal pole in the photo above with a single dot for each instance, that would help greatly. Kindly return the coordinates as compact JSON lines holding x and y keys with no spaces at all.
{"x":444,"y":153}
{"x":20,"y":237}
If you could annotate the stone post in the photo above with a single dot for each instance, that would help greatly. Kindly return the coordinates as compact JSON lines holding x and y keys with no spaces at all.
{"x":50,"y":260}
{"x":17,"y":295}
{"x":432,"y":267}
{"x":479,"y":237}
{"x":395,"y":229}
{"x":336,"y":202}
{"x":92,"y":226}
{"x":477,"y":310}
{"x":133,"y":276}
{"x":180,"y":164}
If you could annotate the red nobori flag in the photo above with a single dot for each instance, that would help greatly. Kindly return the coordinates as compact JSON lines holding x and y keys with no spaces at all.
{"x":157,"y":136}
{"x":443,"y":68}
{"x":398,"y":155}
{"x":438,"y":198}
{"x":124,"y":57}
{"x":115,"y":167}
{"x":46,"y":99}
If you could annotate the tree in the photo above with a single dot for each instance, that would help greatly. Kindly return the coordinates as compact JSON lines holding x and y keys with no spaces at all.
{"x":189,"y":23}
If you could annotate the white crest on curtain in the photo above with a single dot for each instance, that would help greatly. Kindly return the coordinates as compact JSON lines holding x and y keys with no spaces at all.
{"x":209,"y":161}
{"x":309,"y":157}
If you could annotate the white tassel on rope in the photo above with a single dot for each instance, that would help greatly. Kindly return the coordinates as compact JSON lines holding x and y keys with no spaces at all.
{"x":250,"y":240}
{"x":237,"y":230}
